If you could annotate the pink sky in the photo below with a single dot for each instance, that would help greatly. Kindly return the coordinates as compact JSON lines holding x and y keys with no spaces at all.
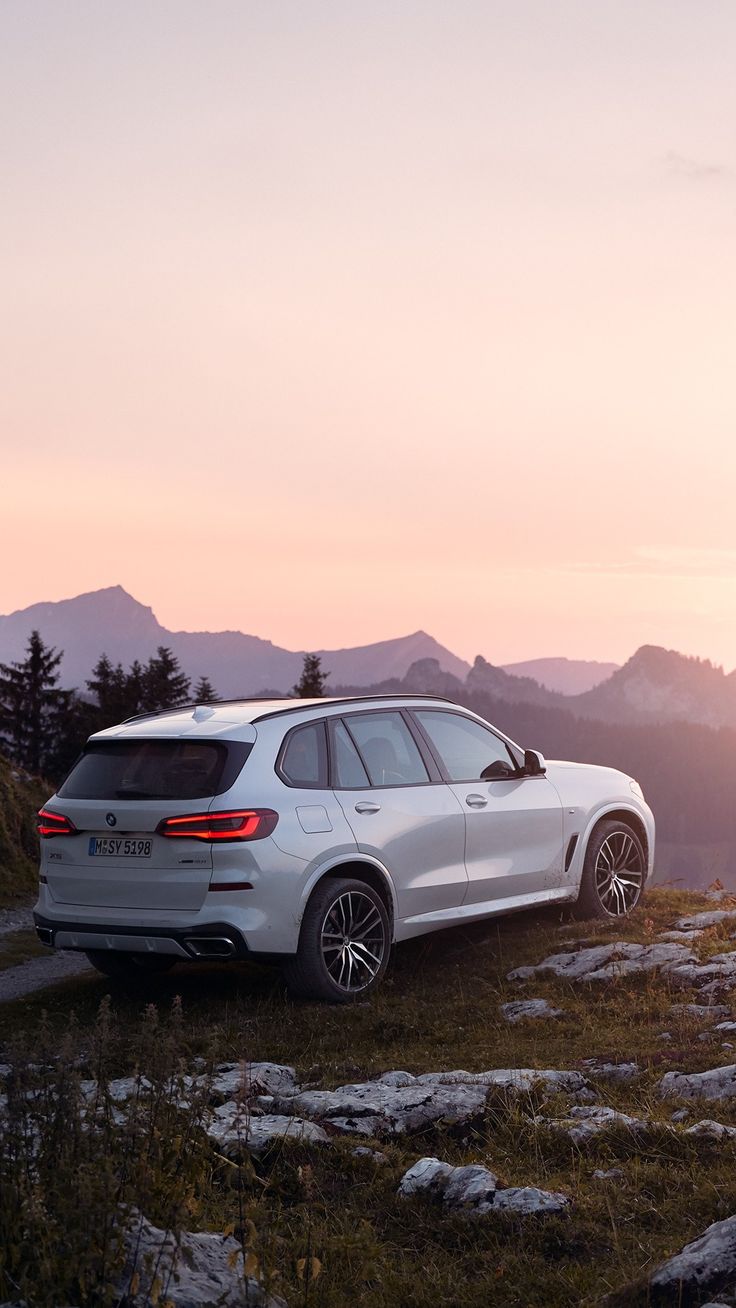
{"x":331,"y":321}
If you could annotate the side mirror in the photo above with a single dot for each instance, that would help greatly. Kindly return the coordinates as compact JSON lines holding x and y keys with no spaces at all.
{"x":534,"y":764}
{"x":497,"y":771}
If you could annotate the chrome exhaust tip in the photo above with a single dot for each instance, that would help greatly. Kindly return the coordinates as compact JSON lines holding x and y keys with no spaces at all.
{"x":46,"y":936}
{"x":210,"y":947}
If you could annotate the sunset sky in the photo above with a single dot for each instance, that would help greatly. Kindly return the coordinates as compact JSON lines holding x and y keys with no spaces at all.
{"x":331,"y":321}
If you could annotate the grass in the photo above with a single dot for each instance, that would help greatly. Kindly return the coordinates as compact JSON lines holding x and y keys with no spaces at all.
{"x":18,"y":947}
{"x":438,"y":1009}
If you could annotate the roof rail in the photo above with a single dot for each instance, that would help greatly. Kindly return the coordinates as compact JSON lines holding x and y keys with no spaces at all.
{"x":200,"y":703}
{"x":355,"y":699}
{"x":270,"y":699}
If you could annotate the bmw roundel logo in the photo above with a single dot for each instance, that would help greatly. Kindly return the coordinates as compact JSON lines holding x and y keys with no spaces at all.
{"x":111,"y":820}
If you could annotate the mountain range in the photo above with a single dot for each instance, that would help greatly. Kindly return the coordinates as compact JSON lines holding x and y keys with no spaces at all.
{"x":654,"y":685}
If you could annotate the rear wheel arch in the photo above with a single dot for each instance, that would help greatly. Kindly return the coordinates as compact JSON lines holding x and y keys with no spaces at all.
{"x":359,"y":870}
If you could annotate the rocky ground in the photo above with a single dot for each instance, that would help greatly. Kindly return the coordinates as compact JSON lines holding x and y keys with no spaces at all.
{"x":537,"y":1114}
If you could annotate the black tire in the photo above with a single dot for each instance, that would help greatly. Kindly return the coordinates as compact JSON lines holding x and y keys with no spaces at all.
{"x":129,"y":967}
{"x":614,"y":871}
{"x":344,"y":943}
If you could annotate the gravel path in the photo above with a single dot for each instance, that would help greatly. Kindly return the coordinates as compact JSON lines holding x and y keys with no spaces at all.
{"x":15,"y":982}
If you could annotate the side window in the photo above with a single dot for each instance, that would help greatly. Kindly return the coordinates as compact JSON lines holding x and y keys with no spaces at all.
{"x":348,"y":769}
{"x":304,"y":761}
{"x":387,"y":749}
{"x":466,"y":747}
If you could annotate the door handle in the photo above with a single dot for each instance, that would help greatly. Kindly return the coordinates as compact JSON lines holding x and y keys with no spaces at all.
{"x":475,"y":801}
{"x":365,"y":807}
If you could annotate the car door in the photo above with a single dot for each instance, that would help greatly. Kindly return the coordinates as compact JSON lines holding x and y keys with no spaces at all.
{"x":513,"y":822}
{"x":409,"y":820}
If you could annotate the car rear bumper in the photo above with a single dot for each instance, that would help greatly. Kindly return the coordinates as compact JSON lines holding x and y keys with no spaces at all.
{"x":210,"y":940}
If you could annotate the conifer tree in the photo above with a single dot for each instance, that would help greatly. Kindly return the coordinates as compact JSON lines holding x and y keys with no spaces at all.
{"x":111,"y":688}
{"x":311,"y":684}
{"x":135,"y":689}
{"x":204,"y":692}
{"x":164,"y":684}
{"x":33,"y":712}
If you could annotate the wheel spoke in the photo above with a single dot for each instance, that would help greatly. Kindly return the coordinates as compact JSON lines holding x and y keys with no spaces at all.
{"x":353,"y":941}
{"x":619,"y":873}
{"x":357,"y":945}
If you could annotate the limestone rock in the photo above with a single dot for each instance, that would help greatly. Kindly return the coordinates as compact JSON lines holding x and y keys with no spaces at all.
{"x":522,"y":1009}
{"x":528,"y":1199}
{"x":708,"y":1263}
{"x":719,"y":973}
{"x":195,"y":1270}
{"x":701,"y":921}
{"x":700,"y":1011}
{"x":614,"y":1072}
{"x":604,"y":962}
{"x":383,"y":1107}
{"x":584,"y":1124}
{"x":718,"y":1083}
{"x":474,"y":1190}
{"x":251,"y":1079}
{"x":709,"y":1130}
{"x":231,"y":1127}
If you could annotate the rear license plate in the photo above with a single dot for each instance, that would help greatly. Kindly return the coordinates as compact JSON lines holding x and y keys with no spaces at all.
{"x":119,"y":847}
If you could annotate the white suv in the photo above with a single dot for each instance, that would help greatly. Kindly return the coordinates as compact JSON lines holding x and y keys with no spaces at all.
{"x":317,"y":832}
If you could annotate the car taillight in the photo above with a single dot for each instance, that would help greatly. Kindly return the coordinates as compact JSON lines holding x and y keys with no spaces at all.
{"x":54,"y":824}
{"x":241,"y":824}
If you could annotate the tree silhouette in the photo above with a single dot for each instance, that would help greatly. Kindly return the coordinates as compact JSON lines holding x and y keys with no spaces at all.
{"x":204,"y":691}
{"x":164,"y":684}
{"x":33,"y":713}
{"x":311,"y":685}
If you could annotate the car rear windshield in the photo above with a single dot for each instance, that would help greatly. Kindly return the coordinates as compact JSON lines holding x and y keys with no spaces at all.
{"x":154,"y":769}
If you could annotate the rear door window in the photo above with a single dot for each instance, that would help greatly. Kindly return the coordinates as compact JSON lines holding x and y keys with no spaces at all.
{"x":154,"y":769}
{"x":349,"y":773}
{"x":388,"y":749}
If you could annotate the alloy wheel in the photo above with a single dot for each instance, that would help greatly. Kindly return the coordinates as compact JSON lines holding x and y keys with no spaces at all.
{"x":619,"y":873}
{"x":353,"y":941}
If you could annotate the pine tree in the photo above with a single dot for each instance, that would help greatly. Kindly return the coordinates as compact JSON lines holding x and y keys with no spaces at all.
{"x":135,"y":689}
{"x":312,"y":682}
{"x":110,"y":686}
{"x":204,"y":692}
{"x":164,"y":684}
{"x":33,"y":713}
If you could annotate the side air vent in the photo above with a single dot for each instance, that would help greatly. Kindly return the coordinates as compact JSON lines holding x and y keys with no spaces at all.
{"x":570,"y":851}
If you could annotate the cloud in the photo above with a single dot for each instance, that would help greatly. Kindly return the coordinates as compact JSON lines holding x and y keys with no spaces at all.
{"x":668,"y":561}
{"x":680,"y":165}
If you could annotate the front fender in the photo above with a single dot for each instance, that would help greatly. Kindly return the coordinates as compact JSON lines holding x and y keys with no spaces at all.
{"x":639,"y":811}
